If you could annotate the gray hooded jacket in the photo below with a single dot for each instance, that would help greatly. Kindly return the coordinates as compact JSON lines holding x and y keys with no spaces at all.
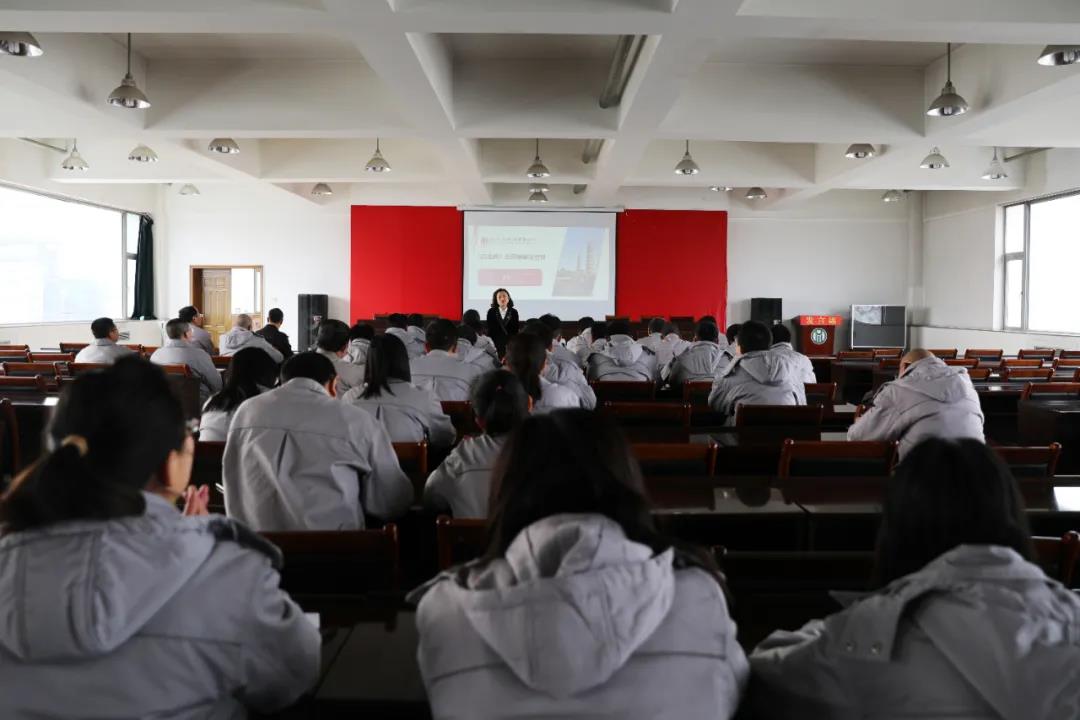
{"x":408,"y":413}
{"x":802,"y":370}
{"x":413,"y":345}
{"x":622,"y":359}
{"x":181,"y":352}
{"x":462,"y":483}
{"x":700,"y":361}
{"x":446,"y":375}
{"x":578,"y":621}
{"x":563,"y":369}
{"x":103,"y":351}
{"x":156,"y":616}
{"x":237,"y":339}
{"x":754,"y":378}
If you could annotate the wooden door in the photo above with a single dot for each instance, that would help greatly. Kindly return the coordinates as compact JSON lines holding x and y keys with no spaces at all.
{"x":216,"y":302}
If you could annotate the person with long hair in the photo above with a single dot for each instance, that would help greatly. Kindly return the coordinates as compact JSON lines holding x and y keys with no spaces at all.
{"x":409,"y":413}
{"x":502,"y":319}
{"x":526,"y":357}
{"x":106,"y":608}
{"x":580,"y":606}
{"x":485,"y":343}
{"x":963,"y":625}
{"x":250,"y":372}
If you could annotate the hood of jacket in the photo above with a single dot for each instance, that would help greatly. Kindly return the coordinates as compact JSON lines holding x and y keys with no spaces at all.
{"x":78,"y":590}
{"x":763,"y":366}
{"x":236,"y":338}
{"x":932,"y":378}
{"x":624,"y":350}
{"x":569,"y":603}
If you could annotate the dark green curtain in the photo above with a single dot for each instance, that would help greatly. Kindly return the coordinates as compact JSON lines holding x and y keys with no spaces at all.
{"x":144,"y":272}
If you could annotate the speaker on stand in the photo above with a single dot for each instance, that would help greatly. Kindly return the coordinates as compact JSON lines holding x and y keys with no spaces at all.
{"x":312,"y":311}
{"x":767,"y":310}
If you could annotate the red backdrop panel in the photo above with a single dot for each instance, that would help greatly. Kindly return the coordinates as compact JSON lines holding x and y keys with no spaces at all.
{"x":405,"y":259}
{"x":672,"y":262}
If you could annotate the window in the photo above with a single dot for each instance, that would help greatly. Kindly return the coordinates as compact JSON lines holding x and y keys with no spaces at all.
{"x":1042,"y":251}
{"x":64,"y":261}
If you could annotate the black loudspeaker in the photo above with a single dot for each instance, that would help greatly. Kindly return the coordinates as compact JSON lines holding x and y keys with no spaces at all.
{"x":312,"y":311}
{"x":767,"y":310}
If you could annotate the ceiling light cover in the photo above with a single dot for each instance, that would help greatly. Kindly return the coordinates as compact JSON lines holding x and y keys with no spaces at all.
{"x":720,"y":188}
{"x":949,"y":102}
{"x":860,"y":151}
{"x":934,"y":161}
{"x":19,"y":44}
{"x":142,"y":154}
{"x":892,"y":196}
{"x":189,"y":189}
{"x":538,"y":169}
{"x":377,"y":163}
{"x":225,"y":146}
{"x":539,"y":188}
{"x":687,"y":166}
{"x":74,"y":161}
{"x":995,"y":171}
{"x":322,"y":189}
{"x":538,"y":197}
{"x":1057,"y":55}
{"x":756,"y":193}
{"x":127,"y":94}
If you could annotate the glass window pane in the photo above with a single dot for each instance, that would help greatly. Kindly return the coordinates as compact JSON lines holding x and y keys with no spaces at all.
{"x":132,"y":221}
{"x":1014,"y":228}
{"x":1054,"y":255}
{"x":243,"y":290}
{"x":131,"y":263}
{"x":1014,"y":288}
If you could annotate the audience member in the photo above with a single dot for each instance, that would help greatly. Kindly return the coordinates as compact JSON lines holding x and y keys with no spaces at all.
{"x":485,"y":343}
{"x":251,"y":372}
{"x":441,"y":370}
{"x":563,"y":367}
{"x":461,"y":485}
{"x":271,"y":333}
{"x":502,"y":319}
{"x":200,"y":337}
{"x":408,"y":413}
{"x":755,"y":377}
{"x":399,"y":327}
{"x":297,"y":459}
{"x":654,"y":337}
{"x":673,"y":345}
{"x":414,"y":325}
{"x":360,"y":337}
{"x":526,"y":357}
{"x":580,"y":343}
{"x":802,"y":370}
{"x":727,"y":355}
{"x":700,"y":360}
{"x":241,"y":337}
{"x":103,"y":350}
{"x":332,"y":342}
{"x":180,"y":350}
{"x":928,"y":399}
{"x":470,"y":353}
{"x":964,"y":624}
{"x":106,"y":585}
{"x":579,"y":607}
{"x":622,"y":358}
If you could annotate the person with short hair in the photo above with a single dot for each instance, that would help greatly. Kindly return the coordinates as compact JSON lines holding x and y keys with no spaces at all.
{"x":622,"y":359}
{"x":927,"y":399}
{"x":672,"y":346}
{"x":179,"y":349}
{"x":469,"y":352}
{"x":200,"y":338}
{"x":461,"y":485}
{"x":106,"y":584}
{"x":408,"y":413}
{"x":701,"y":360}
{"x":654,"y":337}
{"x":251,"y":372}
{"x":755,"y":377}
{"x":297,"y":459}
{"x":801,"y":367}
{"x":398,"y":325}
{"x":360,"y":337}
{"x":581,"y":343}
{"x":104,"y":350}
{"x":964,"y":623}
{"x":241,"y":336}
{"x":562,"y":367}
{"x":526,"y":357}
{"x":483,"y":341}
{"x":271,"y":333}
{"x":441,"y":369}
{"x":727,"y":355}
{"x":332,"y":342}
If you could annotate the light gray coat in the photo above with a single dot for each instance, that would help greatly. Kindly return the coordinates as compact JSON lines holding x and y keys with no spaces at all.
{"x":358,"y":351}
{"x":237,"y":339}
{"x":581,"y":345}
{"x":477,"y":356}
{"x":444,"y":374}
{"x":103,"y":351}
{"x":349,"y":375}
{"x":622,"y":359}
{"x":802,"y":370}
{"x":555,"y":397}
{"x":754,"y":378}
{"x":201,"y":339}
{"x":700,"y":361}
{"x":931,"y":399}
{"x":181,"y":352}
{"x":578,"y":621}
{"x":563,"y":369}
{"x":413,"y":346}
{"x":462,"y":483}
{"x":297,"y":459}
{"x":977,"y":633}
{"x":153,"y":616}
{"x":408,"y":413}
{"x":214,"y":425}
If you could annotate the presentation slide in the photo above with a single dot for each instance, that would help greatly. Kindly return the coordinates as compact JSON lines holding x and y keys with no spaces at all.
{"x":557,"y":262}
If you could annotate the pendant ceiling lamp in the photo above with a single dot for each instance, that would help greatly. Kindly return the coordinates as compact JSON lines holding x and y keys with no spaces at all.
{"x":225,"y":146}
{"x":756,"y":193}
{"x":377,"y":163}
{"x":321,"y":190}
{"x":687,"y":166}
{"x":1051,"y":54}
{"x":19,"y":44}
{"x":74,"y":161}
{"x":127,"y":94}
{"x":892,"y":196}
{"x":949,"y":102}
{"x":189,"y":189}
{"x":860,"y":151}
{"x":538,"y":197}
{"x":720,"y":188}
{"x":995,"y":171}
{"x":934,"y":161}
{"x":538,"y":169}
{"x":539,"y":188}
{"x":142,"y":154}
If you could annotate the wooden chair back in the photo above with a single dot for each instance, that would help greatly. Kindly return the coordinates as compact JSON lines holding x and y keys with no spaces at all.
{"x":76,"y":369}
{"x":338,"y":562}
{"x":28,"y":369}
{"x":978,"y":374}
{"x":459,"y":540}
{"x":24,"y":349}
{"x":969,"y":363}
{"x":462,"y":417}
{"x":413,"y":459}
{"x":836,"y":458}
{"x":888,"y":353}
{"x":660,"y":459}
{"x":1030,"y":461}
{"x":15,"y":355}
{"x":821,"y":394}
{"x":1058,"y":556}
{"x":177,"y":369}
{"x":221,"y":362}
{"x":1021,"y":363}
{"x":145,"y":350}
{"x":1037,"y":353}
{"x":1066,"y":363}
{"x":696,"y":392}
{"x":888,"y":363}
{"x":855,"y":355}
{"x":10,"y":461}
{"x":944,"y":353}
{"x":772,"y":424}
{"x":984,"y":353}
{"x":1027,"y":373}
{"x":73,"y":348}
{"x":1051,"y":391}
{"x":22,"y":387}
{"x":623,"y":390}
{"x":52,"y":357}
{"x":1069,"y":355}
{"x":651,"y":421}
{"x":206,"y":470}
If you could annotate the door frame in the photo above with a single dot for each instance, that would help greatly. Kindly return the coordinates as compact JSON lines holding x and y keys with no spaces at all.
{"x":195,"y":284}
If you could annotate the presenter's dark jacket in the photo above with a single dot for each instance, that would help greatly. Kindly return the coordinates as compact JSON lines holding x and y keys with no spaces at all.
{"x":279,"y":340}
{"x":500,"y":329}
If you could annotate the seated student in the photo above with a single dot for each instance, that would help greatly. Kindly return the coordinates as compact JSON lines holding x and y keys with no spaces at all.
{"x":580,"y":343}
{"x":700,"y":360}
{"x":271,"y":333}
{"x":470,"y":353}
{"x":755,"y":377}
{"x":415,"y":327}
{"x":105,"y":583}
{"x":655,"y":335}
{"x":672,"y":346}
{"x":332,"y":342}
{"x":928,"y":399}
{"x":408,"y":413}
{"x":180,"y":350}
{"x":251,"y":372}
{"x":399,"y":327}
{"x":200,"y":338}
{"x":241,"y":337}
{"x":562,"y":367}
{"x":483,"y":341}
{"x":360,"y":337}
{"x":441,"y":369}
{"x":801,"y":367}
{"x":579,"y":607}
{"x":727,"y":355}
{"x":622,"y":358}
{"x":297,"y":459}
{"x":964,"y":625}
{"x":461,"y":485}
{"x":104,"y":349}
{"x":526,"y":357}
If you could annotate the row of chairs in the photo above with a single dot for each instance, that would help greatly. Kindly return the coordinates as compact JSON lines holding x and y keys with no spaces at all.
{"x":989,"y":354}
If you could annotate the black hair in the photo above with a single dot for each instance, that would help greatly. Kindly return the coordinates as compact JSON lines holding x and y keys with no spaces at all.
{"x":585,"y":322}
{"x":441,"y":335}
{"x":472,"y":319}
{"x":554,"y":324}
{"x":540,"y":330}
{"x":248,"y":369}
{"x":525,"y":357}
{"x":780,"y":334}
{"x":275,"y":315}
{"x":188,"y":313}
{"x":510,"y":298}
{"x":333,"y":336}
{"x":465,"y":332}
{"x":657,"y":325}
{"x":101,"y":328}
{"x":732,"y":332}
{"x":707,"y":318}
{"x":619,"y":327}
{"x":707,"y":331}
{"x":310,"y":365}
{"x":599,"y":329}
{"x":176,"y":329}
{"x":129,"y":420}
{"x":670,"y":327}
{"x":398,"y":320}
{"x":361,"y":331}
{"x":387,"y":360}
{"x":499,"y":401}
{"x":754,"y":335}
{"x":415,"y":319}
{"x":947,"y":493}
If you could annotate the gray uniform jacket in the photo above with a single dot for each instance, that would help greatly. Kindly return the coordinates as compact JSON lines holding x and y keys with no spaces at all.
{"x":932,"y":399}
{"x":581,"y":345}
{"x":563,"y":369}
{"x":103,"y":351}
{"x":801,"y":367}
{"x":214,"y":425}
{"x":349,"y":375}
{"x":297,"y":459}
{"x":151,"y":616}
{"x":180,"y":352}
{"x":488,"y":345}
{"x":408,"y":413}
{"x":462,"y":483}
{"x":412,"y":346}
{"x":444,"y":374}
{"x":476,"y":356}
{"x":977,"y":633}
{"x":357,"y":351}
{"x":577,"y":621}
{"x":700,"y":361}
{"x":555,"y":397}
{"x":237,"y":339}
{"x":754,"y":378}
{"x":622,"y":359}
{"x":201,"y":339}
